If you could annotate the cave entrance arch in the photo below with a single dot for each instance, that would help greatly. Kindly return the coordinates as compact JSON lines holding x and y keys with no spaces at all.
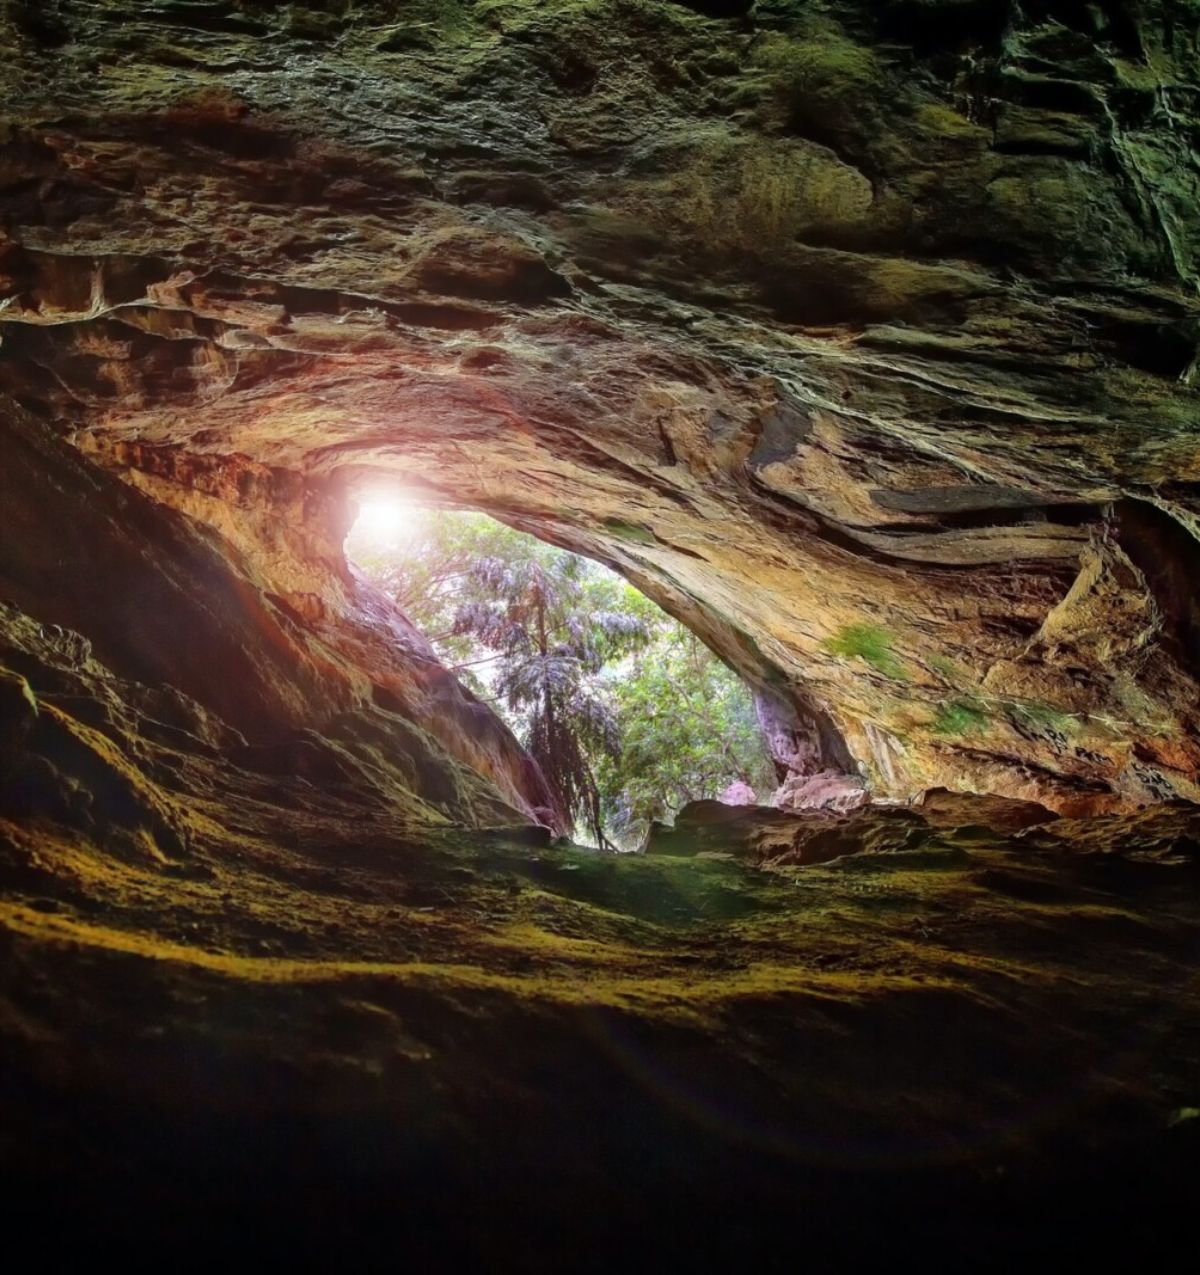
{"x":651,"y":718}
{"x":814,"y":763}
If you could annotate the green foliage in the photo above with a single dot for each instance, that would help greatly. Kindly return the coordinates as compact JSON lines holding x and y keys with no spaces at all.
{"x":871,"y":643}
{"x":628,"y":714}
{"x":428,"y":574}
{"x":552,"y":635}
{"x":960,"y":717}
{"x":688,"y":730}
{"x":1041,"y":718}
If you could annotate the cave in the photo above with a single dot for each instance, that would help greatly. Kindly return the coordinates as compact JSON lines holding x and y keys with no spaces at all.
{"x":862,"y":339}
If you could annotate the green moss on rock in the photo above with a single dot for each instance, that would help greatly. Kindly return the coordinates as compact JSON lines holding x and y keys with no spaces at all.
{"x":960,"y":717}
{"x":871,"y":643}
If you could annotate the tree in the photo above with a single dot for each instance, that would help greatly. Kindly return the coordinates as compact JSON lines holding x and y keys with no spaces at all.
{"x":627,"y":712}
{"x":688,"y":730}
{"x":428,"y":573}
{"x":539,"y":612}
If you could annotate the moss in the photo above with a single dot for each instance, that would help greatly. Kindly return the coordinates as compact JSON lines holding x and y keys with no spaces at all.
{"x":960,"y":717}
{"x":751,"y":197}
{"x":948,"y":670}
{"x":630,"y":531}
{"x":387,"y":976}
{"x":1146,"y":713}
{"x":1040,"y":717}
{"x":823,"y":79}
{"x":426,"y":23}
{"x":941,"y":121}
{"x":871,"y":643}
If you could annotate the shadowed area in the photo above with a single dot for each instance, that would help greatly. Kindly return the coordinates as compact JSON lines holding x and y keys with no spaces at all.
{"x":540,"y":1038}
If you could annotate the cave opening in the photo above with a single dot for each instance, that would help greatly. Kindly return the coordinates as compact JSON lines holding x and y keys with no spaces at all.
{"x":628,"y":714}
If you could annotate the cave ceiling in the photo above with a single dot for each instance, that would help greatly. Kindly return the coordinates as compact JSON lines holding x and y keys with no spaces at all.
{"x":861,"y":336}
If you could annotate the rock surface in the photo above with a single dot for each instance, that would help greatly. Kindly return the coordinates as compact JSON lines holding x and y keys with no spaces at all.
{"x":232,"y":1000}
{"x":861,"y":336}
{"x":773,"y":837}
{"x":186,"y":639}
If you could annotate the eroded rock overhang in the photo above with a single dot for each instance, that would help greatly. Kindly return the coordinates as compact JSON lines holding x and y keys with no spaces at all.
{"x":860,"y":337}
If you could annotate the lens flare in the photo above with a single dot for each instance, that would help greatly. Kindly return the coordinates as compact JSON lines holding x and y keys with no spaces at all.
{"x":384,"y":519}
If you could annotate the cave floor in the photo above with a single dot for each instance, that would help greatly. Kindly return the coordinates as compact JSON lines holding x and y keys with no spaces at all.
{"x":354,"y":1024}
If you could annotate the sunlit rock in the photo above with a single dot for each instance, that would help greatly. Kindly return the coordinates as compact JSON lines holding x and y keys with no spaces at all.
{"x":739,"y":793}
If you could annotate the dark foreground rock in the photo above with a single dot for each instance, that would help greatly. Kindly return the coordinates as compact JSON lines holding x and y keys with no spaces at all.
{"x":237,"y":1008}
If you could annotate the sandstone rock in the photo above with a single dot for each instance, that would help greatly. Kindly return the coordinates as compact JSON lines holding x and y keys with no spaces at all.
{"x":738,"y":793}
{"x":944,"y":809}
{"x":762,"y":835}
{"x":826,"y":790}
{"x":861,"y":336}
{"x":863,"y":341}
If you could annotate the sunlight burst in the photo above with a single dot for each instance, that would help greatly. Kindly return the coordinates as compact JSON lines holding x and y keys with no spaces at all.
{"x":385,"y":518}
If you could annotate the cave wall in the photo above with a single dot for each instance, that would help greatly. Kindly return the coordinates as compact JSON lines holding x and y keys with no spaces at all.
{"x":187,"y":644}
{"x":861,"y":336}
